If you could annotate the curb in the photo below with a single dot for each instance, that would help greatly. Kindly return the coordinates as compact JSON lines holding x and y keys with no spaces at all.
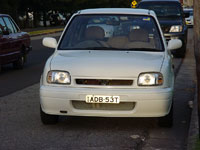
{"x":193,"y":133}
{"x":45,"y":33}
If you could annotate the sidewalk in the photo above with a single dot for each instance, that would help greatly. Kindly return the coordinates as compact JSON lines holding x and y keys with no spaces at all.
{"x":193,"y":134}
{"x":193,"y":130}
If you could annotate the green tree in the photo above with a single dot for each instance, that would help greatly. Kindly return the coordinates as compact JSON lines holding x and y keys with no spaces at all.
{"x":38,"y":7}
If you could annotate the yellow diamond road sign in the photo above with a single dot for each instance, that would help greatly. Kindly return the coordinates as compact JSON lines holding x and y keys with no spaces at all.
{"x":133,"y":4}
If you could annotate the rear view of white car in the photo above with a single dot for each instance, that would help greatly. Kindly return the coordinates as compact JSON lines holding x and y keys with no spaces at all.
{"x":126,"y":74}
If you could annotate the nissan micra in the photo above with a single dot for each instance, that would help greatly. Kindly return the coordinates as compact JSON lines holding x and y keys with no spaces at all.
{"x":124,"y":72}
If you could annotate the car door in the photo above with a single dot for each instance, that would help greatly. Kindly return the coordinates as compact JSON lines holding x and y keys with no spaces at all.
{"x":14,"y":40}
{"x":4,"y":43}
{"x":1,"y":42}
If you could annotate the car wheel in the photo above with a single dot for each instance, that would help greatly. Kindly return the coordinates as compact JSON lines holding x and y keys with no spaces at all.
{"x":48,"y":119}
{"x":166,"y":121}
{"x":19,"y":64}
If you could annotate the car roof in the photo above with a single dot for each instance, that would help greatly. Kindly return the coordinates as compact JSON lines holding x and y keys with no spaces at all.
{"x":187,"y":9}
{"x":4,"y":15}
{"x":160,"y":1}
{"x":127,"y":11}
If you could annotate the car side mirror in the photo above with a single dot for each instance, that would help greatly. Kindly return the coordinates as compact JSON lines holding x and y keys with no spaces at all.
{"x":174,"y":44}
{"x":49,"y":42}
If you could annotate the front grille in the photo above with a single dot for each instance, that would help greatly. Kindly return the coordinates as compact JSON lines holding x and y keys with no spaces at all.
{"x":123,"y":106}
{"x":165,"y":29}
{"x":104,"y":82}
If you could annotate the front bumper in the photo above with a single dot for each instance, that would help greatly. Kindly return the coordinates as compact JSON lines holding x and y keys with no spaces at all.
{"x":147,"y":102}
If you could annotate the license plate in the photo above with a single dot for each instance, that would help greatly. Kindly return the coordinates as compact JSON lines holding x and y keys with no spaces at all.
{"x":102,"y":99}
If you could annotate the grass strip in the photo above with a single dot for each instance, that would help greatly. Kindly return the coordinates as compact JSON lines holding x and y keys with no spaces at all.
{"x":197,"y":145}
{"x":39,"y":32}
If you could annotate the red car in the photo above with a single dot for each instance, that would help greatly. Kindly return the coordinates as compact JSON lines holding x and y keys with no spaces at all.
{"x":14,"y":44}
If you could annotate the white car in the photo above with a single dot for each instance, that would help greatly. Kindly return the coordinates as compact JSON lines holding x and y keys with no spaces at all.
{"x":127,"y":75}
{"x":189,"y":16}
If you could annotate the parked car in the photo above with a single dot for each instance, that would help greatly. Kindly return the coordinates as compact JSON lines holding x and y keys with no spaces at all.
{"x":172,"y":20}
{"x":57,"y":19}
{"x":189,"y":19}
{"x":125,"y":75}
{"x":14,"y":44}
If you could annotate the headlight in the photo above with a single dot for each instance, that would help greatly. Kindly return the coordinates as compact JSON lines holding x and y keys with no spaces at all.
{"x":177,"y":28}
{"x":150,"y":79}
{"x":58,"y":77}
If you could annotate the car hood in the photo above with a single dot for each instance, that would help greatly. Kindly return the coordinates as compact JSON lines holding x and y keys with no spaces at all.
{"x":107,"y":63}
{"x":170,"y":21}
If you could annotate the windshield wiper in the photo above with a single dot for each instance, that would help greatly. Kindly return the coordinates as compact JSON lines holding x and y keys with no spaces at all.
{"x":113,"y":48}
{"x":104,"y":48}
{"x":94,"y":48}
{"x":144,"y":49}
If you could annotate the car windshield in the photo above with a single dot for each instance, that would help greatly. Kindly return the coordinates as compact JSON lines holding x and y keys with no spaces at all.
{"x":189,"y":12}
{"x":112,"y":32}
{"x":163,"y":9}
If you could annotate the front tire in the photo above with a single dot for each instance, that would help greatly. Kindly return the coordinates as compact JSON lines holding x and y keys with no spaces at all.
{"x":166,"y":121}
{"x":19,"y":64}
{"x":48,"y":119}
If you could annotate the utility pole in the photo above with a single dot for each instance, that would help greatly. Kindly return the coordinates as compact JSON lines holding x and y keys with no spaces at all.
{"x":197,"y":49}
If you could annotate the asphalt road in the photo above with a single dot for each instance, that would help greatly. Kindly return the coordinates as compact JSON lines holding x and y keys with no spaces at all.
{"x":21,"y":128}
{"x":13,"y":80}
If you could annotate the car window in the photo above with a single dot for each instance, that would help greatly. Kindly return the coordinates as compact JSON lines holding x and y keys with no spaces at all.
{"x":14,"y":26}
{"x":2,"y":24}
{"x":111,"y":32}
{"x":188,"y":12}
{"x":1,"y":31}
{"x":163,"y":9}
{"x":9,"y":25}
